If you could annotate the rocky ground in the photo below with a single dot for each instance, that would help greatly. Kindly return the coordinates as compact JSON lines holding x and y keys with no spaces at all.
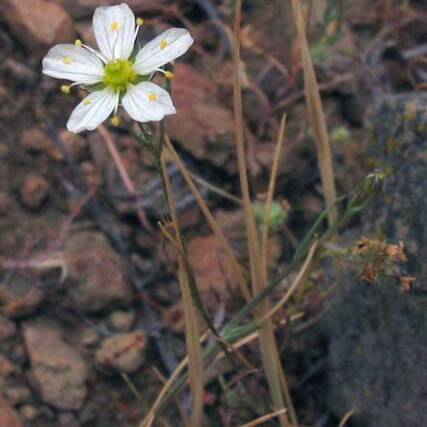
{"x":88,"y":297}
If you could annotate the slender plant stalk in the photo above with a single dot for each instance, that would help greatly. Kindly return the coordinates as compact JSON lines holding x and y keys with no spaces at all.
{"x":247,"y":338}
{"x":237,"y":270}
{"x":198,"y":301}
{"x":270,"y":195}
{"x":261,"y":420}
{"x":346,"y":417}
{"x":194,"y":349}
{"x":302,"y":274}
{"x":242,"y":336}
{"x":149,"y":418}
{"x":214,"y":189}
{"x":269,"y":351}
{"x":124,"y":176}
{"x":317,"y":115}
{"x":264,"y":254}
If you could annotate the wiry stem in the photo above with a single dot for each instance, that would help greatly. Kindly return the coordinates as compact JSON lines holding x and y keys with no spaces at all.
{"x":124,"y":176}
{"x":194,"y":350}
{"x":317,"y":116}
{"x":269,"y":351}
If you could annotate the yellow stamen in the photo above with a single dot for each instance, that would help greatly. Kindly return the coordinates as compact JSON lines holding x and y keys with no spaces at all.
{"x":78,"y":43}
{"x":67,"y":60}
{"x":87,"y":101}
{"x":115,"y":121}
{"x":169,"y":75}
{"x":115,"y":26}
{"x":65,"y":89}
{"x":164,"y":44}
{"x":153,"y":97}
{"x":139,"y":22}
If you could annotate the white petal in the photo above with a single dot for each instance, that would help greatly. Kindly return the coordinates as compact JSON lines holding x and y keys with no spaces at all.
{"x":92,"y":111}
{"x":147,"y":102}
{"x":70,"y":62}
{"x":163,"y":49}
{"x":114,"y":29}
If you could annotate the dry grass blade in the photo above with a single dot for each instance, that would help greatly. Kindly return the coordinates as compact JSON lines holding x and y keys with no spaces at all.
{"x":264,"y":418}
{"x":264,"y":254}
{"x":317,"y":116}
{"x":346,"y":418}
{"x":194,"y":350}
{"x":270,"y":195}
{"x":210,"y":218}
{"x":149,"y":418}
{"x":268,"y":347}
{"x":297,"y":281}
{"x":214,"y":189}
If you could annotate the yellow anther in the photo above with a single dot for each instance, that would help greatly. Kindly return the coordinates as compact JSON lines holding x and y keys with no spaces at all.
{"x":139,"y":22}
{"x":115,"y":121}
{"x":169,"y":75}
{"x":87,"y":101}
{"x":78,"y":43}
{"x":115,"y":26}
{"x":164,"y":44}
{"x":67,"y":60}
{"x":65,"y":89}
{"x":153,"y":97}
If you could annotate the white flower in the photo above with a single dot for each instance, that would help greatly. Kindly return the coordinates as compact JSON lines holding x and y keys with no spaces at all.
{"x":119,"y":76}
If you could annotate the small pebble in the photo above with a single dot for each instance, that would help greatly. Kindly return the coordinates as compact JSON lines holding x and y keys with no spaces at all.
{"x":34,"y":191}
{"x":7,"y":368}
{"x":123,"y":352}
{"x":66,"y":419}
{"x":17,"y":395}
{"x":29,"y":412}
{"x":122,"y":320}
{"x":7,"y":329}
{"x":89,"y":337}
{"x":4,"y":151}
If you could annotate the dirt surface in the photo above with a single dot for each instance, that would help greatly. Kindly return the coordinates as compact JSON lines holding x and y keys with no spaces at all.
{"x":88,"y":296}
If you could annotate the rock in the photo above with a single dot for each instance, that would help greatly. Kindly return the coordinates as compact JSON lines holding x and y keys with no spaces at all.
{"x":173,"y":318}
{"x":8,"y":416}
{"x":81,"y":8}
{"x":7,"y":329}
{"x":17,"y":354}
{"x":211,"y":266}
{"x":202,"y":126}
{"x":378,"y":331}
{"x":29,"y":412}
{"x":39,"y":23}
{"x":97,"y":278}
{"x":5,"y":203}
{"x":19,"y":296}
{"x":57,"y":369}
{"x":4,"y":151}
{"x":89,"y":337}
{"x":123,"y":352}
{"x":74,"y":144}
{"x":17,"y":395}
{"x":68,"y":420}
{"x":7,"y":368}
{"x":91,"y":175}
{"x":35,"y":140}
{"x":20,"y":71}
{"x":122,"y":320}
{"x":34,"y":191}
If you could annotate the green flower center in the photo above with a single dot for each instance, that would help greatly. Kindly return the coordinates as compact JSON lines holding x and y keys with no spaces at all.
{"x":118,"y":74}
